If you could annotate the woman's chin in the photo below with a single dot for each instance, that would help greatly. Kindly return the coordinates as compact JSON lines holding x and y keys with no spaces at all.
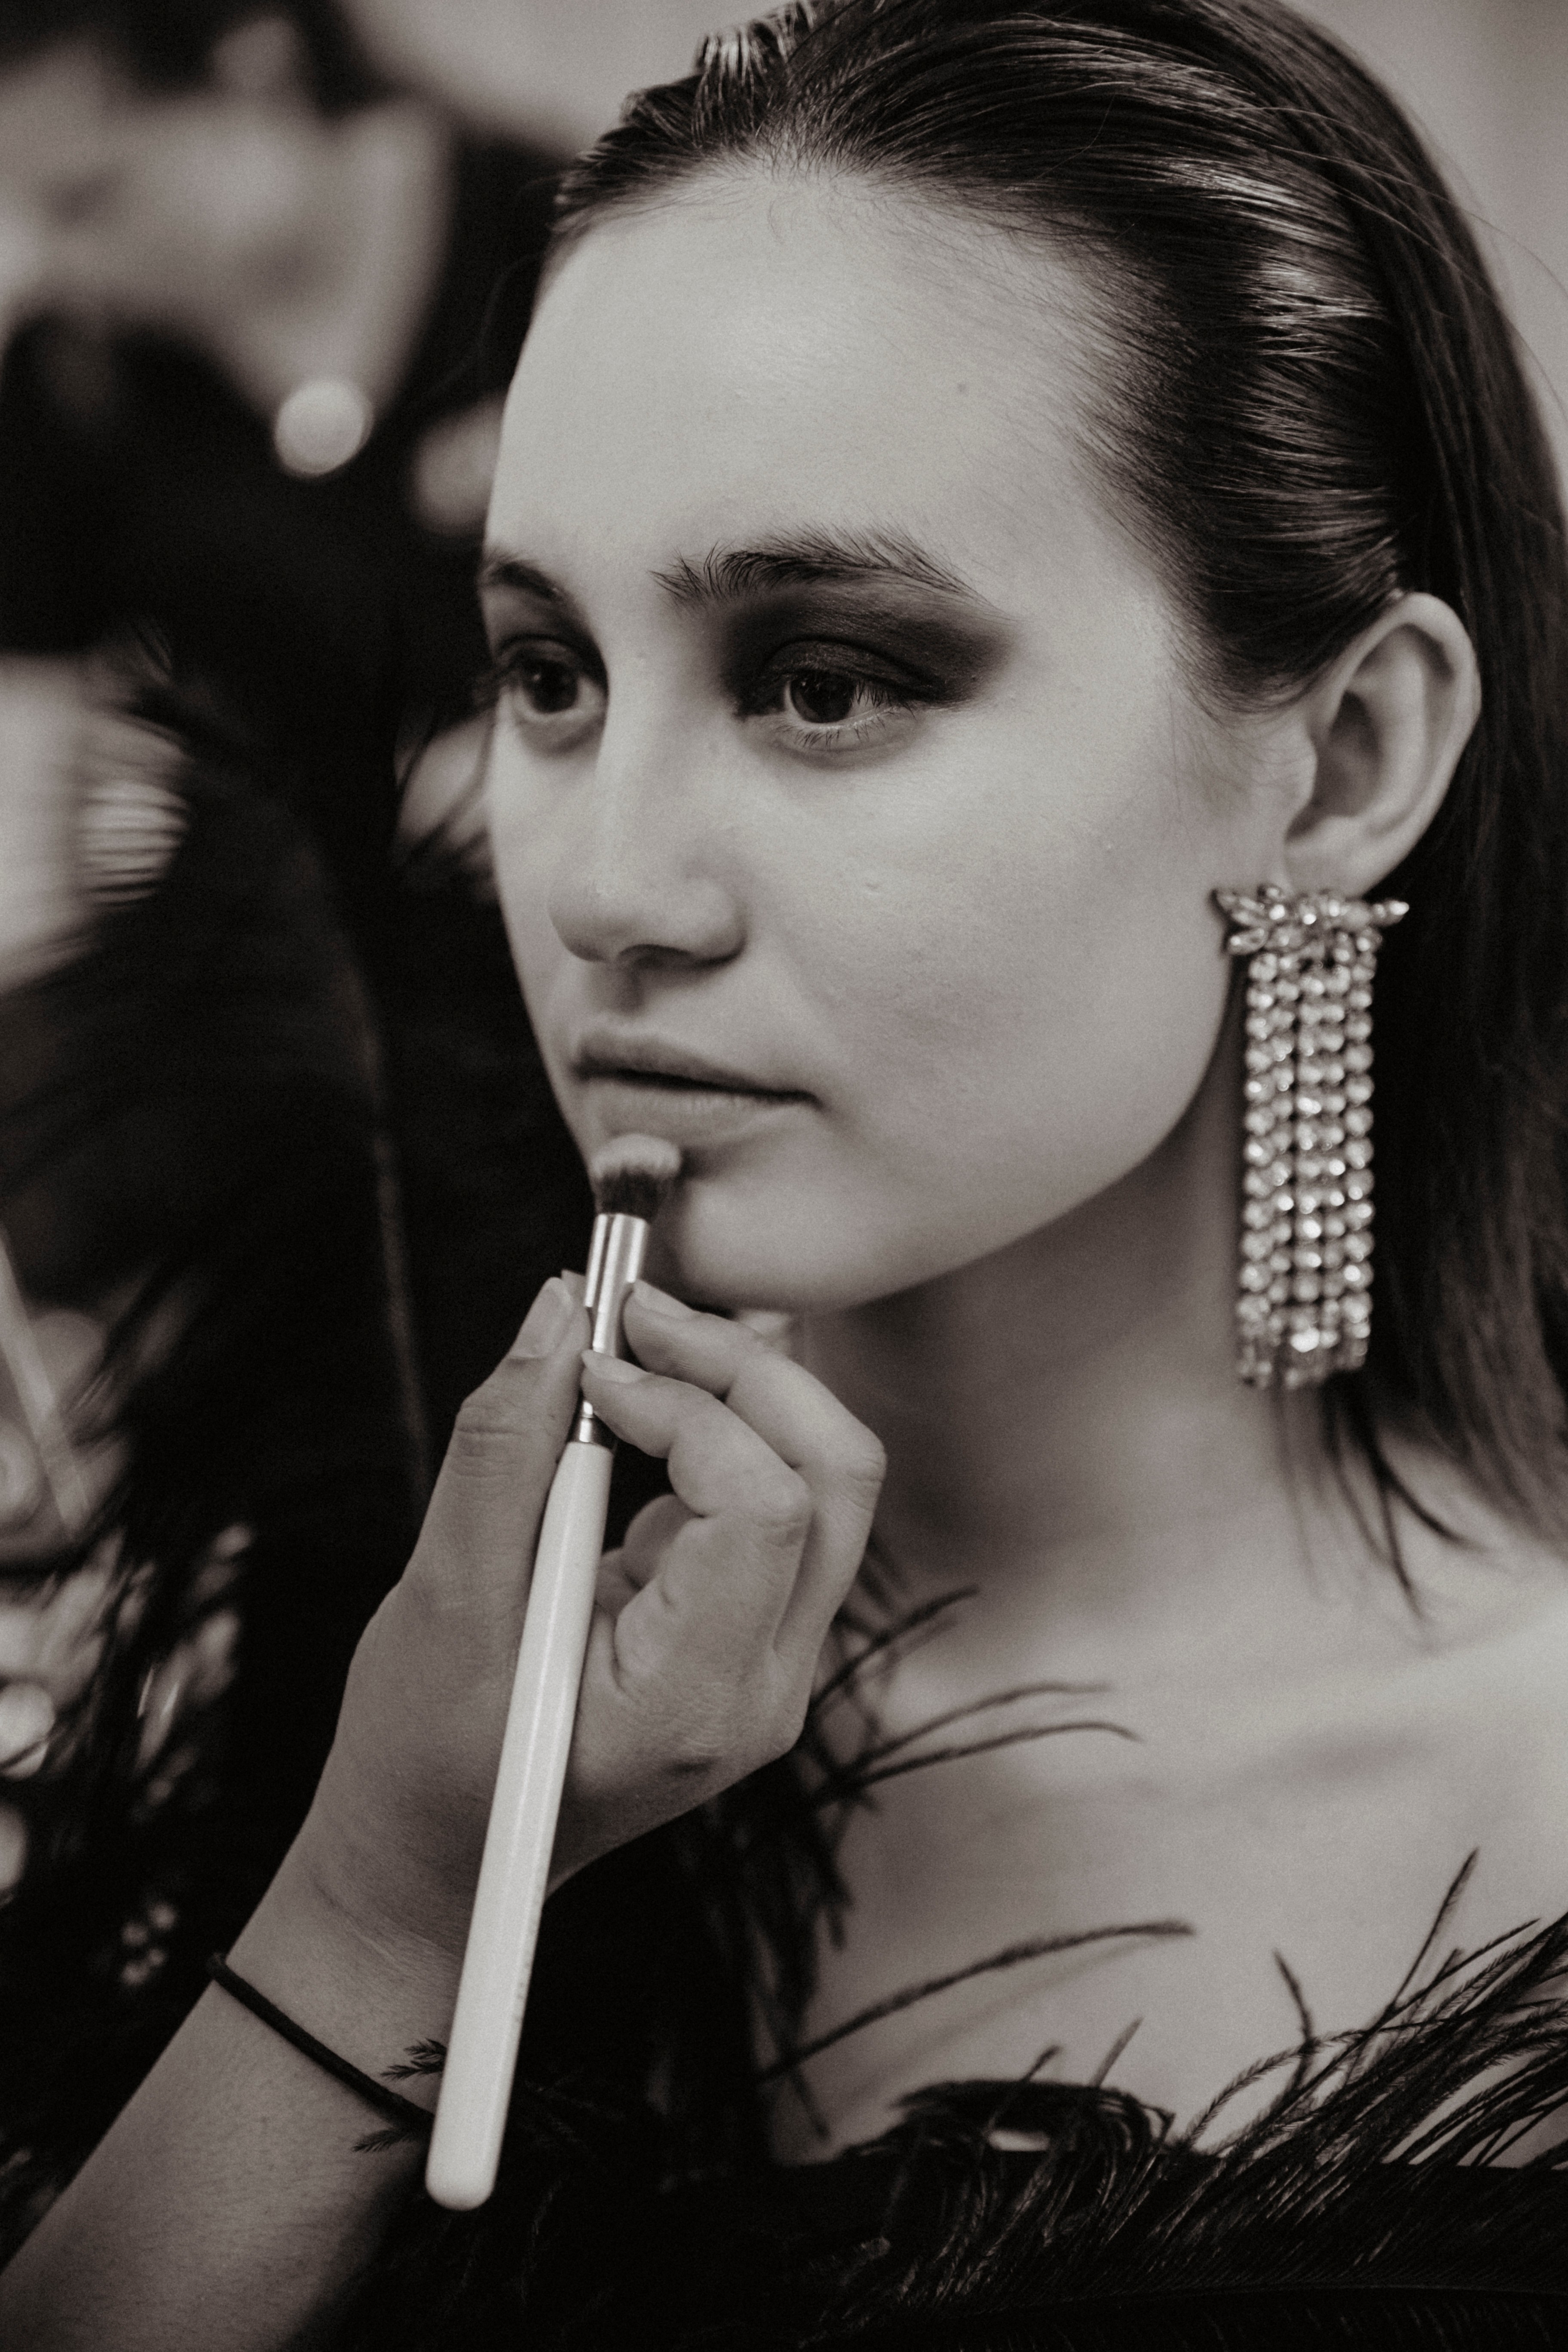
{"x":797,"y":1253}
{"x":738,"y":1280}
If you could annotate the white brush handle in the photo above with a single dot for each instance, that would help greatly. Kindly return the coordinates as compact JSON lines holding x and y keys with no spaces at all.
{"x":476,"y":2085}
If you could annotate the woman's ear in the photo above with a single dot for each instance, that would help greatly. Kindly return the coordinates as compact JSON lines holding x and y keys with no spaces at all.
{"x":1387,"y":723}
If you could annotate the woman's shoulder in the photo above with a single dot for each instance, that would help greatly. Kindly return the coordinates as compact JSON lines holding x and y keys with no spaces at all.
{"x":1487,"y":1601}
{"x":1458,"y":1625}
{"x":1494,"y":1704}
{"x":1471,"y":1700}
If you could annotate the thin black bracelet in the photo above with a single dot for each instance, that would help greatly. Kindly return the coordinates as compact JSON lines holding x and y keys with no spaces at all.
{"x":390,"y":2103}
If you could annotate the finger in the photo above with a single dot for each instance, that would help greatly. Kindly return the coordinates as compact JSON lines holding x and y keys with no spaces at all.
{"x":719,"y":1466}
{"x":686,"y":1669}
{"x":484,"y":1514}
{"x":787,"y":1406}
{"x":650,"y":1535}
{"x":801,"y":1420}
{"x":755,"y":1511}
{"x":613,"y":1588}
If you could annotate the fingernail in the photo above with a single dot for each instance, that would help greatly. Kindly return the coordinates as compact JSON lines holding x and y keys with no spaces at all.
{"x":613,"y":1369}
{"x":545,"y":1321}
{"x":660,"y":1302}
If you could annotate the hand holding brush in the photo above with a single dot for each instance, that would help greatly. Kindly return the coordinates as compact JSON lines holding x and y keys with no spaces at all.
{"x":704,"y":1635}
{"x":632,"y":1176}
{"x":234,"y":2181}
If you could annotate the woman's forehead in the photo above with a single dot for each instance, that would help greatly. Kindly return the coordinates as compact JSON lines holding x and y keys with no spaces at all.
{"x":778,"y":356}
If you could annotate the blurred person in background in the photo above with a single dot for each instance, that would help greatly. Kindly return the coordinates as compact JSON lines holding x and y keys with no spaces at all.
{"x":262,"y":309}
{"x":277,"y":1164}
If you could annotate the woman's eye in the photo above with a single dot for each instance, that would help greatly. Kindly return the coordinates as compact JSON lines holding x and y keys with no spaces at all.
{"x":547,"y":686}
{"x":548,"y":691}
{"x":823,"y":697}
{"x":821,"y":709}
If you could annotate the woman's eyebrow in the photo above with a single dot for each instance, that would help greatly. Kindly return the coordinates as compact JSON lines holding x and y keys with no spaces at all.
{"x":730,"y":575}
{"x":498,"y":568}
{"x":814,"y":557}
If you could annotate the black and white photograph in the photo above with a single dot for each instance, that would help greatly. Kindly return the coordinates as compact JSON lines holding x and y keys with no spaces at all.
{"x":783,"y":1176}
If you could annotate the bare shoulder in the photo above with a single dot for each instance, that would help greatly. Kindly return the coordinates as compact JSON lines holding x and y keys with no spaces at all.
{"x":1487,"y":1696}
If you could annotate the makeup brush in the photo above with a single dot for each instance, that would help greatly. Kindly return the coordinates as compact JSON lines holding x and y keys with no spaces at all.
{"x":632,"y":1176}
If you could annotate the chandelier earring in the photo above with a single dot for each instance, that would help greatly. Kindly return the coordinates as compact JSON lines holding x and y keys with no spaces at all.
{"x":1304,"y":1303}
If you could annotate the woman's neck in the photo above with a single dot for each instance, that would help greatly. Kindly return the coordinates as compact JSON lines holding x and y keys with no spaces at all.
{"x":1063,"y":1423}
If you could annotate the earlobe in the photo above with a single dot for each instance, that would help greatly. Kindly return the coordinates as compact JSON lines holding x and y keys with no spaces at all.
{"x":1387,"y":723}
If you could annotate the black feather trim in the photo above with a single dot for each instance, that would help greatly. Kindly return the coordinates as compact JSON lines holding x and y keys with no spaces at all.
{"x":1372,"y":2202}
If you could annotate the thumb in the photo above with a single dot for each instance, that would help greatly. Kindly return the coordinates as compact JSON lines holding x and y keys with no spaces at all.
{"x":483,"y":1519}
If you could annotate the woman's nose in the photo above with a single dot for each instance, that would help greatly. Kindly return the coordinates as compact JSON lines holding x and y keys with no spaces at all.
{"x":640,"y":877}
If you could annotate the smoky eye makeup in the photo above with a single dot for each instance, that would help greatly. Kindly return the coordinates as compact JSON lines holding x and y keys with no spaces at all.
{"x":828,"y":666}
{"x":541,"y":660}
{"x":914,"y":646}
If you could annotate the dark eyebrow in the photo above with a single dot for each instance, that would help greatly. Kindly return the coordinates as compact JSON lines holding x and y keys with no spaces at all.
{"x":814,"y":558}
{"x":499,"y":570}
{"x":730,"y":573}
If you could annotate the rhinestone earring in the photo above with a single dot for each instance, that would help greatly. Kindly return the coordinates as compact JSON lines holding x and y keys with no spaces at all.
{"x":1304,"y":1306}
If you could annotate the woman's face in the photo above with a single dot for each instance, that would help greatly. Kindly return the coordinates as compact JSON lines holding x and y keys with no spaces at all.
{"x":855,"y":826}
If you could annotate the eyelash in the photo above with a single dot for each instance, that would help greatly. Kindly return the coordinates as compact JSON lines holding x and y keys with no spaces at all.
{"x":760,"y":696}
{"x":501,"y":682}
{"x":890,"y":699}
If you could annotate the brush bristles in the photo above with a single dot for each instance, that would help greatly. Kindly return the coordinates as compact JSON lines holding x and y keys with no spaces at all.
{"x":632,"y":1175}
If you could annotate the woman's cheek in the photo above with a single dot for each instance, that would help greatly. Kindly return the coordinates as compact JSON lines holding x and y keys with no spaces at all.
{"x":520,"y":855}
{"x":1012,"y":1037}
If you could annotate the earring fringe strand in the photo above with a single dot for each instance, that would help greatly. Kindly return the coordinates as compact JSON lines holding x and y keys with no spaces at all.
{"x":1304,"y":1305}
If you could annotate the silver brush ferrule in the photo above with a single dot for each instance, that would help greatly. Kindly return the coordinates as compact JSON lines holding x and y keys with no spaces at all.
{"x":615,"y":1256}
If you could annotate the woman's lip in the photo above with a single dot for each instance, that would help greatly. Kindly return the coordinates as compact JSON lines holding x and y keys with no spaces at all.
{"x":634,"y":1057}
{"x":680,"y":1082}
{"x":687,"y":1112}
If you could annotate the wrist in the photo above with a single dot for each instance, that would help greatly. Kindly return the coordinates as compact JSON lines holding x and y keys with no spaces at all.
{"x":403,"y":1876}
{"x":368,"y":1989}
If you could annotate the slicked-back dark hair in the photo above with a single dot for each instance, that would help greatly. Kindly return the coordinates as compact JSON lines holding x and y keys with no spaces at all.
{"x":1307,"y":399}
